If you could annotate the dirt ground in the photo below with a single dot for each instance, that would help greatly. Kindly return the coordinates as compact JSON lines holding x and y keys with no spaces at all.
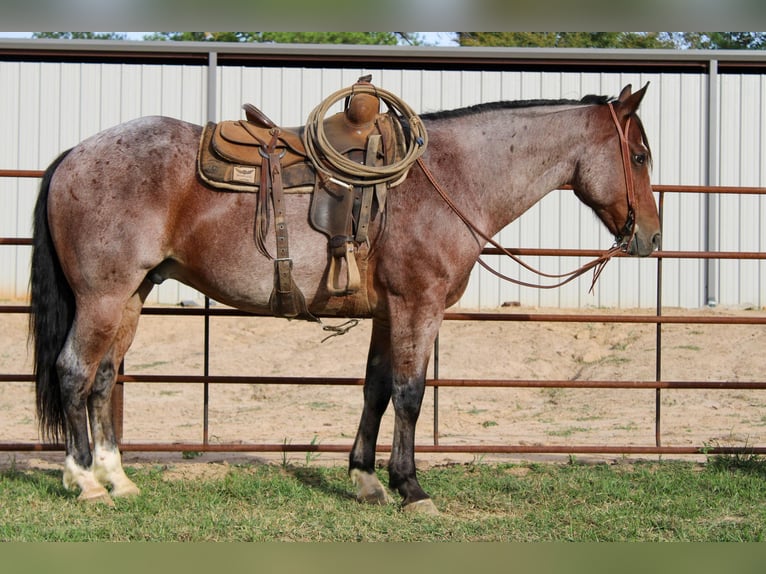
{"x":325,"y":414}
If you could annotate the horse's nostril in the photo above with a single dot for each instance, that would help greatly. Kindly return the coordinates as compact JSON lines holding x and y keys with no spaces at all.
{"x":657,"y":240}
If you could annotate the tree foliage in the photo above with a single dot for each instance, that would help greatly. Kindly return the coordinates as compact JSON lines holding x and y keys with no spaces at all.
{"x":80,"y":35}
{"x":565,"y":39}
{"x":635,"y":40}
{"x":667,"y":40}
{"x":377,"y":38}
{"x":724,"y":40}
{"x":371,"y":38}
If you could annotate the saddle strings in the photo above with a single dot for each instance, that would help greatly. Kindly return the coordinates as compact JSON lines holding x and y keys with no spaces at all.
{"x":597,"y":264}
{"x":338,"y":330}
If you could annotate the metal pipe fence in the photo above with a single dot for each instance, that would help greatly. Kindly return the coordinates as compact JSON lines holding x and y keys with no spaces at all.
{"x":436,"y":382}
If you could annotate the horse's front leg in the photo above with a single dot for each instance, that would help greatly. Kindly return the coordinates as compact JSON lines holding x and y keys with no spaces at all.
{"x":377,"y":394}
{"x":412,"y":342}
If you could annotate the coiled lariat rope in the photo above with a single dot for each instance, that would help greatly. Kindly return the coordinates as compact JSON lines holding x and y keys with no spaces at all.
{"x":334,"y":165}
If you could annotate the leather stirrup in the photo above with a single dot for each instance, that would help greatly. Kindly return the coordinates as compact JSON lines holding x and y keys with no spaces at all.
{"x":343,"y":248}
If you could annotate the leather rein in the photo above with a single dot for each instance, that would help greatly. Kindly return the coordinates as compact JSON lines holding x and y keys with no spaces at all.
{"x":621,"y":244}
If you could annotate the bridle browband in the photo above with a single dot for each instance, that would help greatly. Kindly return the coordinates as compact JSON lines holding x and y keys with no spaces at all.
{"x":620,"y":246}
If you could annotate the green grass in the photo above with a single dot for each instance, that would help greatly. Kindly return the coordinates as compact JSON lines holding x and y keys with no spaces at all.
{"x":722,"y":500}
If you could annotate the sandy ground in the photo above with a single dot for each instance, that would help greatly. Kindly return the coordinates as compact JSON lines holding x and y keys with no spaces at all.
{"x":497,"y":350}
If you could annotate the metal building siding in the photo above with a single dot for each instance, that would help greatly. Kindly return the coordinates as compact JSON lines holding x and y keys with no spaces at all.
{"x":761,"y":163}
{"x":50,"y":107}
{"x":681,"y":121}
{"x":9,"y":188}
{"x":741,"y":218}
{"x":750,"y":159}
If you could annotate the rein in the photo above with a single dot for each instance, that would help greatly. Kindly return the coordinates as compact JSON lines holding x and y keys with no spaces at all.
{"x":597,"y":264}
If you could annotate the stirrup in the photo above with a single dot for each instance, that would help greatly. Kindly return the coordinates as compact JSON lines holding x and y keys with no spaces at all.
{"x":339,"y":252}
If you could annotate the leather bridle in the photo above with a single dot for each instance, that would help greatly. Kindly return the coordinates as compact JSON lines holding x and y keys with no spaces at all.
{"x":621,"y":245}
{"x":629,"y":229}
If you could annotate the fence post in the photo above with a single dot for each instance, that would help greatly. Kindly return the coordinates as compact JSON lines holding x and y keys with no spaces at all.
{"x":711,"y":199}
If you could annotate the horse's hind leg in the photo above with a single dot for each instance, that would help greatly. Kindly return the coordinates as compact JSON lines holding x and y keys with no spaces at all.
{"x":89,"y":340}
{"x":87,"y":369}
{"x":107,"y":463}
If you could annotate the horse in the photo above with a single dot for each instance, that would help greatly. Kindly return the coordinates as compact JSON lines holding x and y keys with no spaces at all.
{"x":126,"y":209}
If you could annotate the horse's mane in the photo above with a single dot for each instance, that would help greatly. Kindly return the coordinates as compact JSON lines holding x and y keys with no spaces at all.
{"x":518,"y":104}
{"x":589,"y":100}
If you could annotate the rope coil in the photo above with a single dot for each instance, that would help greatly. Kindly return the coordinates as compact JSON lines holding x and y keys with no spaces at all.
{"x":329,"y":162}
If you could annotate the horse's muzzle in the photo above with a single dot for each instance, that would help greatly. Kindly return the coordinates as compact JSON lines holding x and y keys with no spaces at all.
{"x":644,"y":247}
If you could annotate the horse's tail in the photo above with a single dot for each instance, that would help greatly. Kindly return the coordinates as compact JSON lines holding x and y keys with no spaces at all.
{"x":52,"y":313}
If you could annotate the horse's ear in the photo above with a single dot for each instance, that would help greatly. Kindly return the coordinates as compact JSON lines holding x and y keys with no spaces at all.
{"x":629,"y":102}
{"x":625,"y":93}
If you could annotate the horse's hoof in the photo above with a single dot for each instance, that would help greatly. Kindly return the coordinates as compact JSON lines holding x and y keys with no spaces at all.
{"x":96,"y":497}
{"x":380,"y":497}
{"x":125,"y":491}
{"x":424,"y":506}
{"x":368,"y":488}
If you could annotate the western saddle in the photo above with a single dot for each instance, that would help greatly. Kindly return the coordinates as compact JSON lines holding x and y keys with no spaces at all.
{"x":257,"y":156}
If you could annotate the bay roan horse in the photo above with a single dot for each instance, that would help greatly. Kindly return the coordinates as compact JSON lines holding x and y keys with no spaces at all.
{"x":125,"y":209}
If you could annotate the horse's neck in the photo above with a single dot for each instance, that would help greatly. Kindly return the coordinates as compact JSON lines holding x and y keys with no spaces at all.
{"x":510,"y":159}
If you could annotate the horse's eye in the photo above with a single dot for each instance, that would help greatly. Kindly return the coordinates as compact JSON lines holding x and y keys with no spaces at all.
{"x":639,"y":158}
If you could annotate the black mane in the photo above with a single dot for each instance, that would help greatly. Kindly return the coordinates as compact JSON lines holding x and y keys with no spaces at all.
{"x":479,"y":108}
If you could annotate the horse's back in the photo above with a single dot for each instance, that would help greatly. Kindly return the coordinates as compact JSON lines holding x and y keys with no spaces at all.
{"x":139,"y":142}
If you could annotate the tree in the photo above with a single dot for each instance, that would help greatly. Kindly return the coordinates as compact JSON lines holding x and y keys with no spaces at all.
{"x":196,"y":36}
{"x":644,"y":40}
{"x":80,"y":35}
{"x":377,"y":38}
{"x":723,"y":40}
{"x":567,"y":39}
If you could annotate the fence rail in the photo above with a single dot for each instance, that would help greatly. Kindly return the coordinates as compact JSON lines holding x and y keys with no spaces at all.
{"x":657,"y":318}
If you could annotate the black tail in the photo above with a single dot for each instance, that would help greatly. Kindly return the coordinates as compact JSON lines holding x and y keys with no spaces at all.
{"x":52,"y":313}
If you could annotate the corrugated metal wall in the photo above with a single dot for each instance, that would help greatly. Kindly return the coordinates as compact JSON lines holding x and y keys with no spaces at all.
{"x":47,"y":107}
{"x":742,"y":161}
